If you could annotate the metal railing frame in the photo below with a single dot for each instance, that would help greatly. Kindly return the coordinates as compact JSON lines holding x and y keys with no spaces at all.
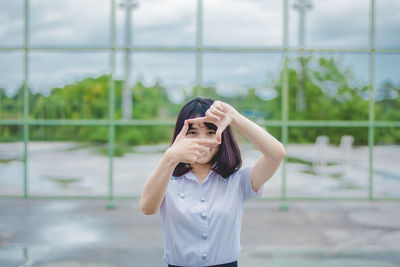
{"x":199,"y":49}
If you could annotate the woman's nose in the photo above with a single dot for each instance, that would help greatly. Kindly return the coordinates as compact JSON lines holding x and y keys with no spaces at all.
{"x":208,"y":136}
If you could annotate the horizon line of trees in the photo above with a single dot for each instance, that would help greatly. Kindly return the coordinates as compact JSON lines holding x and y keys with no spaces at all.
{"x":329,"y":92}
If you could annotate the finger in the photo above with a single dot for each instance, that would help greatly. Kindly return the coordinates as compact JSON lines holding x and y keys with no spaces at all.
{"x":217,"y":112}
{"x":211,"y":142}
{"x":218,"y":105}
{"x":201,"y":120}
{"x":191,"y":160}
{"x":197,"y":120}
{"x":197,"y":154}
{"x":184,"y":129}
{"x":212,"y":117}
{"x":202,"y":148}
{"x":219,"y":132}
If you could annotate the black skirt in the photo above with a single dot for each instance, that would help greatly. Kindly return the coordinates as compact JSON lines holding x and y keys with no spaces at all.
{"x":231,"y":264}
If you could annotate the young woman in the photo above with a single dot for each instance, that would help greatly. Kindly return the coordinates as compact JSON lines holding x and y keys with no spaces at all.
{"x":199,"y":186}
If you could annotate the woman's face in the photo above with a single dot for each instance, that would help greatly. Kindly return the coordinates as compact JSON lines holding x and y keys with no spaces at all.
{"x":200,"y":131}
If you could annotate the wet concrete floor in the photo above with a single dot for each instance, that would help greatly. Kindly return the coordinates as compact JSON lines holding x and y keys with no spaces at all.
{"x":82,"y":232}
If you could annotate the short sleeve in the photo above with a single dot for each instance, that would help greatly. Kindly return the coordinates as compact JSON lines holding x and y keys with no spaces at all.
{"x":246,"y":186}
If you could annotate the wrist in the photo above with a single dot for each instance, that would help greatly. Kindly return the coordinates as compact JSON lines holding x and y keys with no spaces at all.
{"x":170,"y":158}
{"x":236,"y":118}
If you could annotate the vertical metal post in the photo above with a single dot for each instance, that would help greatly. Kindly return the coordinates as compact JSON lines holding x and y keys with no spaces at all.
{"x":285,"y":107}
{"x":1,"y":106}
{"x":371,"y":116}
{"x":26,"y":97}
{"x":111,"y":103}
{"x":199,"y":48}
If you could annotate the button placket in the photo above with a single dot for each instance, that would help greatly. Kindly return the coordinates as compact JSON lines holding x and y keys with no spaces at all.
{"x":180,"y":188}
{"x":204,"y":243}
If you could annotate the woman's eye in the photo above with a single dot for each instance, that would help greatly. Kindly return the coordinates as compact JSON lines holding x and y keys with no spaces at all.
{"x":211,"y":133}
{"x":191,"y":133}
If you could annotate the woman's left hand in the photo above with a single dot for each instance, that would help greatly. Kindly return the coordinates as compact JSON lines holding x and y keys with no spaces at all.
{"x":221,"y":114}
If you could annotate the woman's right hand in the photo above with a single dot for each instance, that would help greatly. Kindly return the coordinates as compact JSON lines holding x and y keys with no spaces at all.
{"x":188,"y":150}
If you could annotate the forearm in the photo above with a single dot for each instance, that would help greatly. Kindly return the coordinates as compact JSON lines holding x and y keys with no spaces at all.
{"x":268,"y":145}
{"x":156,"y":185}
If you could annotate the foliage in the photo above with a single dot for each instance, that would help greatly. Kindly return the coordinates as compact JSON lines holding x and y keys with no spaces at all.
{"x":329,"y":94}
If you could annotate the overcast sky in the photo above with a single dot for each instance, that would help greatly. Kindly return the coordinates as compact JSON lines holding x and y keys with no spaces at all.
{"x":254,"y":23}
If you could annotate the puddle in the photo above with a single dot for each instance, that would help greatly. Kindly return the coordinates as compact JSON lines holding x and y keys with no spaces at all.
{"x":310,"y":257}
{"x":11,"y":253}
{"x":68,"y":169}
{"x":72,"y":264}
{"x":64,"y":182}
{"x":72,"y":233}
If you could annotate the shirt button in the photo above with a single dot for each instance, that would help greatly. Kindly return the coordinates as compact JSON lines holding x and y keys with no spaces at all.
{"x":204,"y":256}
{"x":182,"y":195}
{"x":203,"y":215}
{"x":204,"y":236}
{"x":202,"y":199}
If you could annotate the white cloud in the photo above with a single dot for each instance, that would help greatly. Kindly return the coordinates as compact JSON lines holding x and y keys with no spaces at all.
{"x":388,"y":24}
{"x":68,"y":23}
{"x":241,"y":70}
{"x":159,"y":23}
{"x":11,"y":23}
{"x":49,"y":70}
{"x":173,"y":23}
{"x":336,"y":23}
{"x":171,"y":69}
{"x":236,"y":22}
{"x":161,"y":12}
{"x":11,"y":71}
{"x":387,"y":69}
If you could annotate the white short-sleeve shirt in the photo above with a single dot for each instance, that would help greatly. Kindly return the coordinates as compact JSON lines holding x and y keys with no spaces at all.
{"x":201,"y":223}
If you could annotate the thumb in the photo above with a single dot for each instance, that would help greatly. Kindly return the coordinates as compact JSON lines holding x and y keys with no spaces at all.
{"x":184,"y":130}
{"x":218,"y":134}
{"x":221,"y":128}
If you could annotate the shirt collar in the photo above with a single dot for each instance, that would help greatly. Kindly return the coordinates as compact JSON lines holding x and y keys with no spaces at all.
{"x":190,"y":175}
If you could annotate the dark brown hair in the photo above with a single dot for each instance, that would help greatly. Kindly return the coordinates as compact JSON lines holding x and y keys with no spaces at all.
{"x":228,"y":158}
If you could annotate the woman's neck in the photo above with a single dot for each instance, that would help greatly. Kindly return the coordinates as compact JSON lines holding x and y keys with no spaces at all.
{"x":201,"y":171}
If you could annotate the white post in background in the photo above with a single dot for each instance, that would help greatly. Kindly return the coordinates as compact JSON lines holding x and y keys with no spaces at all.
{"x":127,"y":91}
{"x":302,"y":6}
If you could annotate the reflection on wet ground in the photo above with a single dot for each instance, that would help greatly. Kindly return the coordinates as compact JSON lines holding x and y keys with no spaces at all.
{"x":251,"y":256}
{"x":71,"y":169}
{"x":84,"y":233}
{"x":55,"y":233}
